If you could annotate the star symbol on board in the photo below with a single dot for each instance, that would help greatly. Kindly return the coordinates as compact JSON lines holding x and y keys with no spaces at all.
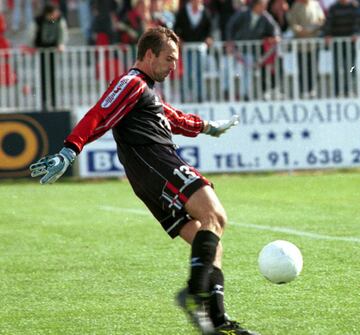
{"x":305,"y":134}
{"x":255,"y":136}
{"x":288,"y":135}
{"x":271,"y":136}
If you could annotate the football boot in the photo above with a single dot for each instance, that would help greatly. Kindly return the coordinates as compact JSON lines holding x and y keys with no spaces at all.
{"x":232,"y":328}
{"x":195,"y":307}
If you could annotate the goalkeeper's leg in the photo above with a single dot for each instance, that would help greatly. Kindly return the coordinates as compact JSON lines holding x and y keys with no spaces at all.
{"x":204,"y":234}
{"x":203,"y":299}
{"x":216,"y":310}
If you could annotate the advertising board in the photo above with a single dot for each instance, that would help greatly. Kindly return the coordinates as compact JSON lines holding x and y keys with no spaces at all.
{"x":26,"y":137}
{"x":271,"y":136}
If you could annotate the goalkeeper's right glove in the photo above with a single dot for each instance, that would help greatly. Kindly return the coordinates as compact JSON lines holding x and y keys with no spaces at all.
{"x":53,"y":166}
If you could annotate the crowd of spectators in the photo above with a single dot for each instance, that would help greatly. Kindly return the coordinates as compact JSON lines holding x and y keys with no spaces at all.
{"x":123,"y":21}
{"x":117,"y":22}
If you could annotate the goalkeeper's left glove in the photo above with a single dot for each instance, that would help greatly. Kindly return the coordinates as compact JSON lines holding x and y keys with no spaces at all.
{"x":217,"y":128}
{"x":53,"y":166}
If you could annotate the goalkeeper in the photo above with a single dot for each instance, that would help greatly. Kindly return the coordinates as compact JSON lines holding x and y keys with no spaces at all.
{"x":178,"y":196}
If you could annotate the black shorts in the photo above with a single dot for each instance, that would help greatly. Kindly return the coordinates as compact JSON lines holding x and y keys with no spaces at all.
{"x":163,"y":181}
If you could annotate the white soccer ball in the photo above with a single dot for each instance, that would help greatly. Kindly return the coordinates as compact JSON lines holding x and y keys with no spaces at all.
{"x":280,"y":261}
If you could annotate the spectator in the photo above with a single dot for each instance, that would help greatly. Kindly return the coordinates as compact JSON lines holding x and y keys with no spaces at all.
{"x":123,"y":6}
{"x":104,"y":18}
{"x":172,"y":5}
{"x":49,"y":31}
{"x":223,"y":9}
{"x":343,"y":20}
{"x":160,"y":15}
{"x":193,"y":24}
{"x":134,"y":22}
{"x":254,"y":24}
{"x":278,"y":10}
{"x":62,"y":5}
{"x":306,"y":19}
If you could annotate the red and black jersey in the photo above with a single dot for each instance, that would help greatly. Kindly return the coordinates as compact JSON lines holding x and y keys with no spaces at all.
{"x":135,"y":113}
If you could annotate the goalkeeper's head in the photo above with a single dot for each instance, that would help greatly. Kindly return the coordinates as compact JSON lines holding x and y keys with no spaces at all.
{"x":158,"y":53}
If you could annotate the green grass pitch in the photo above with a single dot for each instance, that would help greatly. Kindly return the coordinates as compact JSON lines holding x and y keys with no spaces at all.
{"x":86,"y":257}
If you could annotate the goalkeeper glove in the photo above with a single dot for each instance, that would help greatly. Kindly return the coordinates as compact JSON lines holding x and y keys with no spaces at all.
{"x":53,"y":166}
{"x":217,"y":128}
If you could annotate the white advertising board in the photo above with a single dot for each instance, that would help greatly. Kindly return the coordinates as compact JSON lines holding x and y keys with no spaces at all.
{"x":271,"y":136}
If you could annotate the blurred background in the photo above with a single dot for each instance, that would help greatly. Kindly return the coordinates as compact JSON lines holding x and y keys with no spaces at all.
{"x":288,"y":67}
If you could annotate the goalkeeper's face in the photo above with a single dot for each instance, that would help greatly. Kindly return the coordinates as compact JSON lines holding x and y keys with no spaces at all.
{"x":165,"y":62}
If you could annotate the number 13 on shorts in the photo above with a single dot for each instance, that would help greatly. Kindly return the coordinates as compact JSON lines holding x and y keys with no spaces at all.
{"x":186,"y":174}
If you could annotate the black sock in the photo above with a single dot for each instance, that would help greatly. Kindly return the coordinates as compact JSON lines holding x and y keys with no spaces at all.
{"x":202,"y":256}
{"x":217,"y":309}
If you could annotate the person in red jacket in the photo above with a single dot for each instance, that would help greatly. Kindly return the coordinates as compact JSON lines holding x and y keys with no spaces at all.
{"x":178,"y":196}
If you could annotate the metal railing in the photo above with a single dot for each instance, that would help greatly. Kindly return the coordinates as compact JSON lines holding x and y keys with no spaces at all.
{"x":246,"y":71}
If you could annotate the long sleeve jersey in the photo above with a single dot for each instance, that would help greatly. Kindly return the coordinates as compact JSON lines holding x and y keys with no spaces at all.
{"x":136,"y":115}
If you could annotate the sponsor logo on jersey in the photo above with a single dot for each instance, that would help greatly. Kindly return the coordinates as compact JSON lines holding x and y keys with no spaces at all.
{"x":113,"y":95}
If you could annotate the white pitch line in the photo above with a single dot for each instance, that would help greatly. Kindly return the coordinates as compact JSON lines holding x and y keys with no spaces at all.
{"x":138,"y":211}
{"x":297,"y":232}
{"x":284,"y":230}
